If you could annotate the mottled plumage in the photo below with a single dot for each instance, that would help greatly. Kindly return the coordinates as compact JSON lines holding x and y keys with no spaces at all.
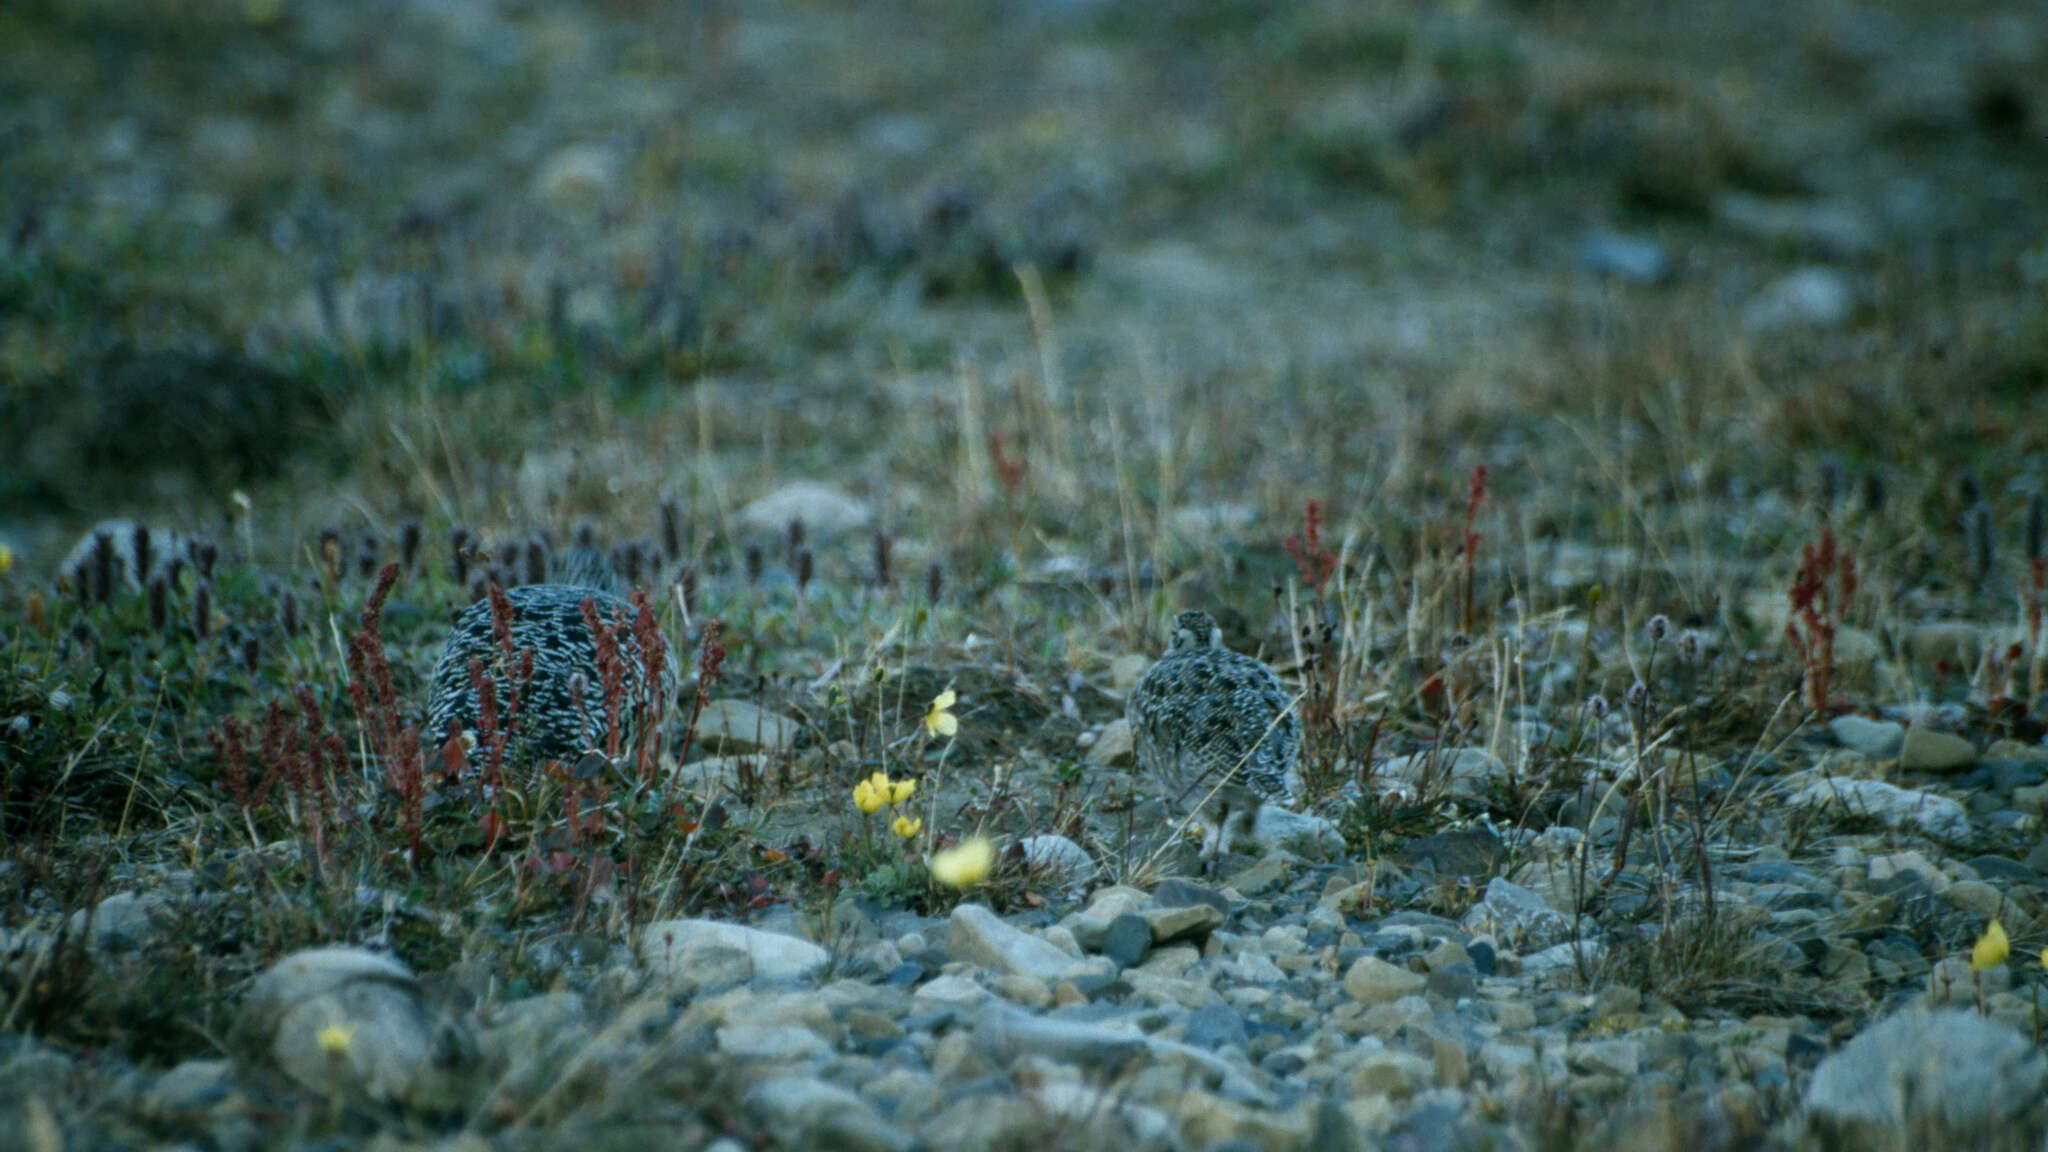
{"x":1215,"y":730}
{"x":547,"y":618}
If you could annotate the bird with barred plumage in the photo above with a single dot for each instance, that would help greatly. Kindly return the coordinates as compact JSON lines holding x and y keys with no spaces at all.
{"x":562,"y":711}
{"x":1216,"y":731}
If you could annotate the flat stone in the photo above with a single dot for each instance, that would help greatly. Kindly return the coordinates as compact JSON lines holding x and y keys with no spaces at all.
{"x":806,"y":1112}
{"x":1269,"y":872}
{"x":1809,"y":297}
{"x":699,"y":955}
{"x":1516,"y":915}
{"x":1057,"y":861}
{"x":1125,"y":671}
{"x":1284,"y":829}
{"x":1928,"y":750}
{"x":1460,"y":772}
{"x":1622,"y":1058}
{"x":1392,"y":1073}
{"x":579,"y":173}
{"x":349,"y":1024}
{"x":1114,"y":746}
{"x":122,"y":921}
{"x":1175,"y":892}
{"x":1371,"y":980}
{"x":1180,"y":923}
{"x":1877,"y":739}
{"x":736,"y":726}
{"x":977,"y":935}
{"x":1467,"y":853}
{"x":952,"y":988}
{"x":1637,"y":259}
{"x":1956,"y":643}
{"x":824,"y":510}
{"x":1927,"y":812}
{"x":1107,"y":904}
{"x":1948,"y":1076}
{"x":1975,"y":897}
{"x":781,"y":1043}
{"x":1216,"y":1025}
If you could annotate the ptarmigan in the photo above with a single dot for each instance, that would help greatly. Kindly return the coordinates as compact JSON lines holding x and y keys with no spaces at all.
{"x":562,"y":710}
{"x":1216,"y":731}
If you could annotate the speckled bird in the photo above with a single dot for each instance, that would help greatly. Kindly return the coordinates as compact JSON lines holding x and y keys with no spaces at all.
{"x":1216,"y":731}
{"x":562,"y":713}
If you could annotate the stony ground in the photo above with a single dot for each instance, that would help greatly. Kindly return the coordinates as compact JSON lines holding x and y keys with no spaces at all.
{"x":1623,"y":428}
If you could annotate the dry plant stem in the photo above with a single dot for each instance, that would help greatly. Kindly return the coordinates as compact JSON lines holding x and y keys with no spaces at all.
{"x":395,"y":739}
{"x":135,"y":778}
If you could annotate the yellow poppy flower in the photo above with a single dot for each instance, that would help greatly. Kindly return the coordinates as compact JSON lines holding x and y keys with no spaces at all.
{"x":965,"y":864}
{"x":6,"y":559}
{"x":901,"y":790}
{"x":907,"y":826}
{"x":940,"y":721}
{"x":334,"y":1039}
{"x":1991,"y":948}
{"x":871,"y":794}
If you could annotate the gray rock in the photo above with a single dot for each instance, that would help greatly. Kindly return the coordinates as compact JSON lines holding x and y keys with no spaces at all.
{"x":1809,"y":297}
{"x":349,"y":1024}
{"x":1622,"y":1058}
{"x":1268,"y":872}
{"x":1005,"y":1033}
{"x":1896,"y":807}
{"x":1949,"y":1077}
{"x":1516,"y":915}
{"x":781,"y":1043}
{"x":1460,"y":772}
{"x":735,"y":726}
{"x":1178,"y":891}
{"x":1928,"y":750}
{"x":806,"y":1112}
{"x":1114,"y":746}
{"x":826,"y":511}
{"x":1831,"y":228}
{"x":951,"y":989}
{"x":1124,"y":673}
{"x":122,"y":921}
{"x":1877,"y":739}
{"x":1563,"y":958}
{"x":1127,"y":940}
{"x":577,"y":174}
{"x":694,"y":956}
{"x":194,"y":1086}
{"x":1058,"y":860}
{"x":1371,"y":980}
{"x":1181,"y":923}
{"x":1466,"y":853}
{"x":1213,"y":1026}
{"x":1637,"y":259}
{"x":977,"y":935}
{"x":1302,"y":832}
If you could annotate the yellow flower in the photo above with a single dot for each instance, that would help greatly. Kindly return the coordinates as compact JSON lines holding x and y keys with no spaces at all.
{"x":6,"y":559}
{"x":940,"y":721}
{"x":870,"y":794}
{"x":2044,"y":957}
{"x":335,"y":1038}
{"x":1991,"y":948}
{"x":907,"y":826}
{"x":901,"y":790}
{"x":965,"y":864}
